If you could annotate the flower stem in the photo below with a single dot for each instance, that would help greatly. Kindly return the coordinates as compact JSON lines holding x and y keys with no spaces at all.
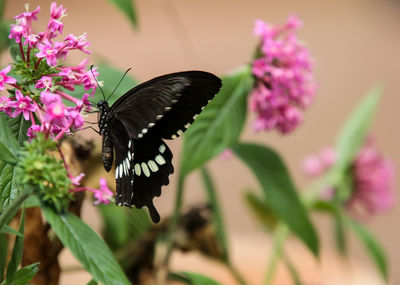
{"x":174,"y":219}
{"x":236,"y":274}
{"x":22,"y":51}
{"x":10,"y":211}
{"x":281,"y":232}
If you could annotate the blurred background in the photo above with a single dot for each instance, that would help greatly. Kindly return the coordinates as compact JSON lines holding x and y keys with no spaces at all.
{"x":355,"y":45}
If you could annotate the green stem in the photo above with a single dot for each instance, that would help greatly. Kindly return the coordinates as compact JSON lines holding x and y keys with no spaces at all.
{"x":174,"y":219}
{"x":281,"y":232}
{"x":13,"y":208}
{"x":236,"y":274}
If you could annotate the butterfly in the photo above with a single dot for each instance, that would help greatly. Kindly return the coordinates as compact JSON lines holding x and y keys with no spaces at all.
{"x":134,"y":127}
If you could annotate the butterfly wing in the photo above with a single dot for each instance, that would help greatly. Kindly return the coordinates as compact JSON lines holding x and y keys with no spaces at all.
{"x":141,"y":167}
{"x":168,"y":104}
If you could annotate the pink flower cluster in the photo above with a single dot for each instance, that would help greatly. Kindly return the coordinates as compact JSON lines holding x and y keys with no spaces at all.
{"x":44,"y":106}
{"x":285,"y":83}
{"x":55,"y":119}
{"x":372,"y":176}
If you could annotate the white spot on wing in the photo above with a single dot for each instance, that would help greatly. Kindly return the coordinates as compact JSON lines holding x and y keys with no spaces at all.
{"x":140,"y":135}
{"x":116,"y":173}
{"x":144,"y":130}
{"x":162,"y":148}
{"x":174,"y":136}
{"x":160,"y":160}
{"x":152,"y":165}
{"x":137,"y":169}
{"x":180,"y":132}
{"x":120,"y":170}
{"x":187,"y":125}
{"x":129,"y":144}
{"x":159,"y":117}
{"x":151,"y":125}
{"x":145,"y":169}
{"x":167,"y":108}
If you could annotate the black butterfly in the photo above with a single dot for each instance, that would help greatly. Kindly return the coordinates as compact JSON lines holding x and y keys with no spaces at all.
{"x":134,"y":127}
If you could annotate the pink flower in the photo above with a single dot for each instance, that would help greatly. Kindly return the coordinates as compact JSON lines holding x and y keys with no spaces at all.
{"x":47,"y":51}
{"x":32,"y":40}
{"x":55,"y":26}
{"x":103,"y":195}
{"x":316,"y":164}
{"x":284,"y":83}
{"x":6,"y":79}
{"x":5,"y":105}
{"x":57,"y":12}
{"x":16,"y":32}
{"x":76,"y":180}
{"x":44,"y":82}
{"x":77,"y":42}
{"x":32,"y":131}
{"x":28,"y":15}
{"x":76,"y":119}
{"x":373,"y":177}
{"x":22,"y":105}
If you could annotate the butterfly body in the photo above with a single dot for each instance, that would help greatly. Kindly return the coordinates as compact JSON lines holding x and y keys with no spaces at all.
{"x":133,"y":129}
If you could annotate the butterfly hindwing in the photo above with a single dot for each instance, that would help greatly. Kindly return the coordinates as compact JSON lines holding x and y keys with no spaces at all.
{"x":152,"y":166}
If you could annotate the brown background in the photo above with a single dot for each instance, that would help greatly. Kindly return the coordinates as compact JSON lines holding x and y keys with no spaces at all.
{"x":355,"y":45}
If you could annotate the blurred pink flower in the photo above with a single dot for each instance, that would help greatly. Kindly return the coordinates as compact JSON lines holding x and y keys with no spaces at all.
{"x":22,"y":105}
{"x":5,"y":105}
{"x":6,"y":79}
{"x":372,"y":179}
{"x":284,"y":83}
{"x":373,"y":176}
{"x":103,"y":195}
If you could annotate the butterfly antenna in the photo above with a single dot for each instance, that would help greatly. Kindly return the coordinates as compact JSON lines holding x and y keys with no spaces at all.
{"x":116,"y":87}
{"x":91,"y":69}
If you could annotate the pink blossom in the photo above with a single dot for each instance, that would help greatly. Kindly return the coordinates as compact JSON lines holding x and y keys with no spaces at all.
{"x":17,"y":32}
{"x":5,"y":105}
{"x":373,"y":191}
{"x":284,"y":83}
{"x":76,"y":180}
{"x":76,"y":119}
{"x":32,"y":131}
{"x":57,"y":12}
{"x":77,"y":42}
{"x":103,"y":195}
{"x":55,"y":26}
{"x":47,"y":97}
{"x":88,"y":80}
{"x":22,"y":105}
{"x":29,"y":15}
{"x":372,"y":179}
{"x":6,"y":79}
{"x":67,"y":72}
{"x":47,"y":51}
{"x":32,"y":40}
{"x":44,"y":82}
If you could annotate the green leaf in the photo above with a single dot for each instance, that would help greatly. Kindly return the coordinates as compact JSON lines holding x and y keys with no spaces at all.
{"x":8,"y":191}
{"x":6,"y":155}
{"x":372,"y":246}
{"x":3,"y":254}
{"x":354,"y":132}
{"x":121,"y":225}
{"x":18,"y":249}
{"x":2,"y":8}
{"x":9,"y":230}
{"x":128,"y":8}
{"x":86,"y":246}
{"x":193,"y":278}
{"x":279,"y":190}
{"x":110,"y":77}
{"x":13,"y":131}
{"x":92,"y":282}
{"x":23,"y":275}
{"x":219,"y":125}
{"x":261,"y":210}
{"x":218,"y":221}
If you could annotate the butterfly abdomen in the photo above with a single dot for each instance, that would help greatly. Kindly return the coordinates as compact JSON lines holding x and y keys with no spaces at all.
{"x":108,"y":152}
